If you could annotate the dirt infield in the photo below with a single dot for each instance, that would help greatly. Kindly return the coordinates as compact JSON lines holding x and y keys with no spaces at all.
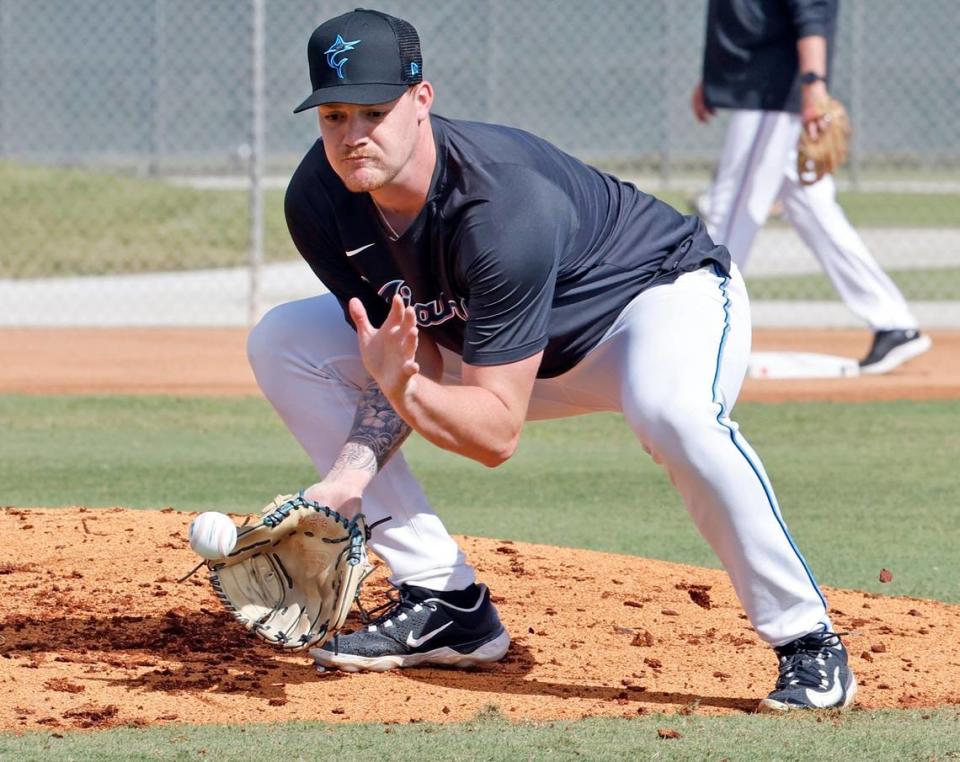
{"x":97,"y":633}
{"x":213,"y":362}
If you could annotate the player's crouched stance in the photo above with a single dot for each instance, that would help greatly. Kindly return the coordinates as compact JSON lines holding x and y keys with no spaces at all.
{"x":479,"y":277}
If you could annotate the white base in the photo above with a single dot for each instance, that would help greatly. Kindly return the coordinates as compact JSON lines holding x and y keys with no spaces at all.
{"x":801,"y":365}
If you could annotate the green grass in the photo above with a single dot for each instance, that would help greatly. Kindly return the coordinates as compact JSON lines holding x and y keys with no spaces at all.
{"x":901,"y":209}
{"x":916,"y":285}
{"x":863,"y":487}
{"x":194,"y":454}
{"x":852,"y":480}
{"x":886,"y":735}
{"x":877,"y":209}
{"x":81,"y":222}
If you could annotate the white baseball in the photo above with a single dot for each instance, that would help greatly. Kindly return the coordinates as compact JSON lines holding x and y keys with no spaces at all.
{"x":213,"y":535}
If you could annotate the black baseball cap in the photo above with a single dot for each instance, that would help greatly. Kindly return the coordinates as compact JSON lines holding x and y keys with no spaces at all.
{"x":362,"y":57}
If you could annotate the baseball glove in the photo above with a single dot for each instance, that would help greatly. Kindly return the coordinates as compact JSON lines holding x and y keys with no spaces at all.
{"x":293,"y":576}
{"x":828,"y":152}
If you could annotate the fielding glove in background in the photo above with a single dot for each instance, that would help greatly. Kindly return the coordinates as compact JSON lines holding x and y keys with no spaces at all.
{"x":828,"y":152}
{"x":292,"y":577}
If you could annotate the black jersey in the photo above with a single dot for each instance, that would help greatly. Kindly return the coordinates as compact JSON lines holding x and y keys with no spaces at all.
{"x":519,"y":248}
{"x":750,"y":57}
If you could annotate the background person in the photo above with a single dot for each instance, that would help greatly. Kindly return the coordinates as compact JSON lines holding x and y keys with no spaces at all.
{"x":768,"y":63}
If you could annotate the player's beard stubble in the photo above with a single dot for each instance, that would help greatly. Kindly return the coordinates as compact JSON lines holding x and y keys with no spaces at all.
{"x":370,"y":167}
{"x":362,"y":173}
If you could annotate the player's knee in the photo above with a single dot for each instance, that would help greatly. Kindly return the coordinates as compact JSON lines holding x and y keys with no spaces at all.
{"x":312,"y":326}
{"x":672,"y":428}
{"x":268,"y":339}
{"x":273,"y":346}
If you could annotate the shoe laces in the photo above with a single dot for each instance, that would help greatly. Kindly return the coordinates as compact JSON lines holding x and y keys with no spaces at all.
{"x":399,"y":601}
{"x":803,"y":661}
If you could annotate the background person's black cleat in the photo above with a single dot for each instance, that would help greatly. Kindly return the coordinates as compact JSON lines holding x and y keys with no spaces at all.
{"x":893,"y":348}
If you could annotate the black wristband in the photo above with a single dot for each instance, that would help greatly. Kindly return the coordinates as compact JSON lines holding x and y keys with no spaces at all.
{"x":809,"y":77}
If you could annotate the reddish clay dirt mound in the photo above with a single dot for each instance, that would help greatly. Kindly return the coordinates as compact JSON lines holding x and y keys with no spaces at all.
{"x":97,"y":633}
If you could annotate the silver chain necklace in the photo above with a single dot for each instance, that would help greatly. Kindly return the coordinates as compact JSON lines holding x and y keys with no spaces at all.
{"x":394,"y":236}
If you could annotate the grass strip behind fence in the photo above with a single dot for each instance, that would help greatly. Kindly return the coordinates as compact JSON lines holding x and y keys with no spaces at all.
{"x":916,"y":285}
{"x":62,"y":222}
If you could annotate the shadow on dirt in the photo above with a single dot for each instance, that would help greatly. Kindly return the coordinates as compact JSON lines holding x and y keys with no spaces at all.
{"x":210,"y":650}
{"x":511,"y":677}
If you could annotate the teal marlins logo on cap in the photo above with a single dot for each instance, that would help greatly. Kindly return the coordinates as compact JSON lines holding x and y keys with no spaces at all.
{"x":338,"y":48}
{"x":388,"y":62}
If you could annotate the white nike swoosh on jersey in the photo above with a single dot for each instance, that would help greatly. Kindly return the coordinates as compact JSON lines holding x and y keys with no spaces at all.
{"x":417,"y":642}
{"x":831,"y":697}
{"x":357,"y":251}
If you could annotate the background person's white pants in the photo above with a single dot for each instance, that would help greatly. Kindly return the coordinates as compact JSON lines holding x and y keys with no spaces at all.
{"x":758,"y":166}
{"x":673,"y":364}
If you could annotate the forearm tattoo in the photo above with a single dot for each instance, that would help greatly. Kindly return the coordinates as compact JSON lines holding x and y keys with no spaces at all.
{"x":377,"y":433}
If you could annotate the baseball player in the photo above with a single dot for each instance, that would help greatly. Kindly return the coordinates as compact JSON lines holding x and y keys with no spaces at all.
{"x":480,"y":277}
{"x":769,"y":63}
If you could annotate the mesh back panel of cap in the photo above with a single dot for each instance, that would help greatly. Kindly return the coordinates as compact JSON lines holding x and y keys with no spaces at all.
{"x":409,"y":48}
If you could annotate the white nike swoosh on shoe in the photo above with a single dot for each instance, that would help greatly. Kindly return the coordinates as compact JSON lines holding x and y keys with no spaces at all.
{"x":474,"y":607}
{"x":417,"y":642}
{"x":352,"y":252}
{"x":831,"y":697}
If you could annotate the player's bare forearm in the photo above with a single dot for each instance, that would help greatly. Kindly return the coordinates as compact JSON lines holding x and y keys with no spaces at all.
{"x":377,"y":433}
{"x":480,"y":420}
{"x":468,"y":420}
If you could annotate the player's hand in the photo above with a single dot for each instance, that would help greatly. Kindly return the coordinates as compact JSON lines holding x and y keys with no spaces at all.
{"x":701,"y":110}
{"x":336,"y":494}
{"x":389,"y":352}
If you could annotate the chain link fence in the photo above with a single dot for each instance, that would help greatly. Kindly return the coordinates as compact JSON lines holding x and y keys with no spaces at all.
{"x":145,"y":144}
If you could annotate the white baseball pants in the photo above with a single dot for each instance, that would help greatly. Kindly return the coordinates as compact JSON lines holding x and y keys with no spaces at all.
{"x":672,"y":364}
{"x":758,"y":166}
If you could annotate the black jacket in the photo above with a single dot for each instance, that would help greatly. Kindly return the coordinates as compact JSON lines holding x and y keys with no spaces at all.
{"x":750,"y":57}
